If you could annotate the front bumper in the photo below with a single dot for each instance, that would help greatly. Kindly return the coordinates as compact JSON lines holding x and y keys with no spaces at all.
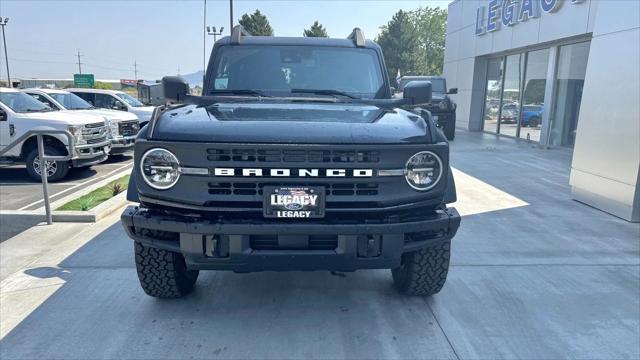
{"x":87,"y":155}
{"x":122,"y":145}
{"x":239,"y":245}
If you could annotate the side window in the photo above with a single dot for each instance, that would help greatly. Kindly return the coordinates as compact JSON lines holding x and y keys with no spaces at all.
{"x":44,"y":100}
{"x":88,"y":97}
{"x":106,"y":101}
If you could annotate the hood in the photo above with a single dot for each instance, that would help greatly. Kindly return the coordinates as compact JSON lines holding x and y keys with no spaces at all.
{"x":113,"y":115}
{"x":294,"y":123}
{"x":436,"y":97}
{"x":68,"y":117}
{"x":143,"y":112}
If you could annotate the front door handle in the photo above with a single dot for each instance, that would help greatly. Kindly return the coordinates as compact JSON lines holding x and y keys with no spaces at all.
{"x":12,"y":129}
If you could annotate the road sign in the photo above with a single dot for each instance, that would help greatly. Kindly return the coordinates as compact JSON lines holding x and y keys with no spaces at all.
{"x":83,"y":80}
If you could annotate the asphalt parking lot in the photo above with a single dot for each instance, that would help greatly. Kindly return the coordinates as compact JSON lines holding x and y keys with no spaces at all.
{"x":534,"y":275}
{"x":19,"y":192}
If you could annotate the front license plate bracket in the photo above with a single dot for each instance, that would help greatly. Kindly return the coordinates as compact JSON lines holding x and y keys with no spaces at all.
{"x":294,"y":202}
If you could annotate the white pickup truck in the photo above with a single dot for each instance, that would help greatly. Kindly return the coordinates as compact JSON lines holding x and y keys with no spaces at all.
{"x":115,"y":100}
{"x":20,"y":113}
{"x":123,"y":126}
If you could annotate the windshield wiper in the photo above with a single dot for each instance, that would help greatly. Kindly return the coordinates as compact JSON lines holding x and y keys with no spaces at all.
{"x":323,"y":92}
{"x":240,"y":92}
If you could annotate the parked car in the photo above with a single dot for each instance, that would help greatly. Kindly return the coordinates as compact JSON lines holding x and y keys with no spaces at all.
{"x":441,"y":106}
{"x":531,"y":115}
{"x":115,"y":100}
{"x":150,"y":93}
{"x":509,"y":113}
{"x":20,"y":113}
{"x":123,"y":126}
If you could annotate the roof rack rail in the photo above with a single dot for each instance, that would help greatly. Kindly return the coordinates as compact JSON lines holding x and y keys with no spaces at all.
{"x":357,"y":37}
{"x":237,"y":33}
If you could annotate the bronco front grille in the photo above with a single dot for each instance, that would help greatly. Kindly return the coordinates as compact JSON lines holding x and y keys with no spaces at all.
{"x":253,"y":188}
{"x":293,"y":156}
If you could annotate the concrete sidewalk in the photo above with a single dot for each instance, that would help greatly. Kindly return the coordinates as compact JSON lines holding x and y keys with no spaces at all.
{"x":534,"y":275}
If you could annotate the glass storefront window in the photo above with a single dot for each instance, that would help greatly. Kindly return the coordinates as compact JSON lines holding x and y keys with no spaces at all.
{"x":533,"y":94}
{"x":511,"y":95}
{"x":571,"y":69}
{"x":492,"y":97}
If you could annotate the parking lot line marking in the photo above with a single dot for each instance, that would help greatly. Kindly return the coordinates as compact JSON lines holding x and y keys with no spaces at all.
{"x":77,"y":185}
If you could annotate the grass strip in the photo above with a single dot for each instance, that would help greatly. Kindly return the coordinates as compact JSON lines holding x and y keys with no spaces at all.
{"x":97,"y":196}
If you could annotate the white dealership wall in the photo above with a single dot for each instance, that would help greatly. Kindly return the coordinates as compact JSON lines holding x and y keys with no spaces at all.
{"x":605,"y":171}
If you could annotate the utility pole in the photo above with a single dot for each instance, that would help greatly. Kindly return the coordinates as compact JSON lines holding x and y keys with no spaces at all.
{"x":135,"y":69}
{"x":79,"y":63}
{"x":231,"y":15}
{"x":3,"y":23}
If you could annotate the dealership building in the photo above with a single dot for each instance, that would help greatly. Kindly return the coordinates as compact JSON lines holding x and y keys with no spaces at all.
{"x":560,"y":73}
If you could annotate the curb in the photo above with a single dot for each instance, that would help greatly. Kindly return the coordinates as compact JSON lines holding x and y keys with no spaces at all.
{"x":74,"y":195}
{"x":95,"y":214}
{"x":91,"y":216}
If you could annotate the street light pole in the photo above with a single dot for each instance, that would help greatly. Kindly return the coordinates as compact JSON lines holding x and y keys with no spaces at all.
{"x":204,"y":42}
{"x":3,"y":23}
{"x":212,"y":31}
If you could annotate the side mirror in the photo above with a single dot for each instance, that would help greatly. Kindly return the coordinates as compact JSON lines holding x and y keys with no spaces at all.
{"x":175,"y":89}
{"x":452,"y":91}
{"x":3,"y":115}
{"x":417,"y":92}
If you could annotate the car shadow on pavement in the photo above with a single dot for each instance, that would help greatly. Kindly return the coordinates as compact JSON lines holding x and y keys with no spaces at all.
{"x":100,"y":311}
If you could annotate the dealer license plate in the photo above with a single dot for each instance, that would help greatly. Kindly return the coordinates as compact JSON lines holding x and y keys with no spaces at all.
{"x":293,"y":202}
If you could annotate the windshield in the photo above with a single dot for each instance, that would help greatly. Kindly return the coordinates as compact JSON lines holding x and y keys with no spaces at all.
{"x":71,"y":101}
{"x":22,"y":103}
{"x":437,"y":85}
{"x":302,"y":70}
{"x":129,"y":99}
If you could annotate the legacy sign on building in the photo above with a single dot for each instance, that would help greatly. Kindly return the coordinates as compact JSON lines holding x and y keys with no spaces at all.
{"x":499,"y":13}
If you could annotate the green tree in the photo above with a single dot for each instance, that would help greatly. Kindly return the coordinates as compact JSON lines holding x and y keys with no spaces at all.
{"x":431,"y":26}
{"x":256,"y":24}
{"x":399,"y":40}
{"x":101,"y":85}
{"x":316,"y":30}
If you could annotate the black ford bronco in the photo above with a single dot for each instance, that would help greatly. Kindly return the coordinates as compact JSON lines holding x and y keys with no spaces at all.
{"x":442,"y":108}
{"x":295,"y":157}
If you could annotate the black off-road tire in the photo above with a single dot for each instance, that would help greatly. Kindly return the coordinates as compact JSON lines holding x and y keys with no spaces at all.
{"x":62,"y":167}
{"x":423,"y":272}
{"x":162,"y":273}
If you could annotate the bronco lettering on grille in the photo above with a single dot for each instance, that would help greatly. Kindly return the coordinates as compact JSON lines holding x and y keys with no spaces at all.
{"x":278,"y":172}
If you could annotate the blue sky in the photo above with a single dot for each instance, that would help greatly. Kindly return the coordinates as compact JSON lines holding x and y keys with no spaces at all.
{"x":161,"y":36}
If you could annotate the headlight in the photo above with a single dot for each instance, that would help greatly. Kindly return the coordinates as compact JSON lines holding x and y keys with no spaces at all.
{"x":443,"y":105}
{"x":76,"y":131}
{"x":423,"y":170}
{"x":160,"y":168}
